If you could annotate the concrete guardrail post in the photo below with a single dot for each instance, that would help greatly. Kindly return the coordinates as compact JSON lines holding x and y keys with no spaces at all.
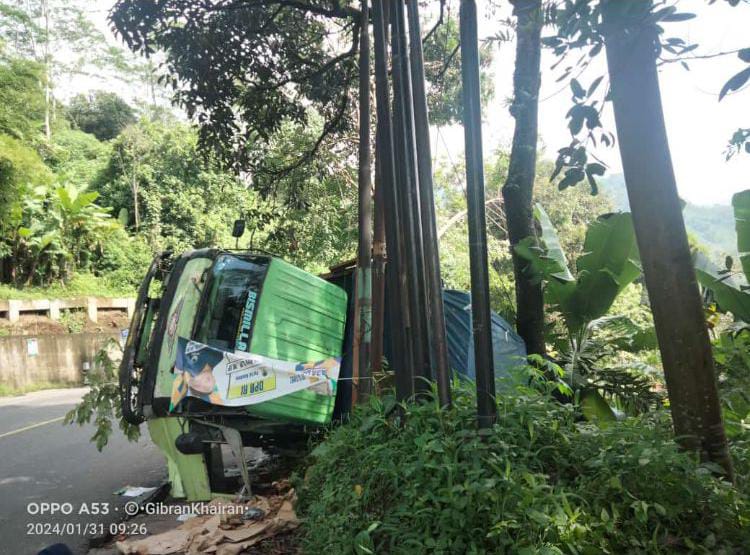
{"x":91,"y":308}
{"x":54,"y":309}
{"x":14,"y":311}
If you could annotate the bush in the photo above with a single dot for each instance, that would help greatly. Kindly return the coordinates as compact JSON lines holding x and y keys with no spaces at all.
{"x":541,"y":481}
{"x":124,"y":260}
{"x":80,"y":285}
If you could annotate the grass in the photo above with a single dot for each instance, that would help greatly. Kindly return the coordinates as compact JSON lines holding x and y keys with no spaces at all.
{"x":9,"y":391}
{"x":81,"y":285}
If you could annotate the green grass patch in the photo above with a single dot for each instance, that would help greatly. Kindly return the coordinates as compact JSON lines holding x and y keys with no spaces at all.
{"x":81,"y":285}
{"x":422,"y":480}
{"x":9,"y":391}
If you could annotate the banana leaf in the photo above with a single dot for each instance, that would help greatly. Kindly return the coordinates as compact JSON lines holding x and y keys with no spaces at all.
{"x":727,"y":293}
{"x":741,"y":205}
{"x":546,"y":260}
{"x":610,"y":263}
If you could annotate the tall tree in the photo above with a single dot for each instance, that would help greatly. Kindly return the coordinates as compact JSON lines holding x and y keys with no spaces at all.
{"x":101,"y":113}
{"x":519,"y":186}
{"x":242,"y":69}
{"x":631,"y":38}
{"x":59,"y":35}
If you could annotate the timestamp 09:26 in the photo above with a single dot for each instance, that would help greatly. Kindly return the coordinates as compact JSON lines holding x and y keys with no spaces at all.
{"x":85,"y":529}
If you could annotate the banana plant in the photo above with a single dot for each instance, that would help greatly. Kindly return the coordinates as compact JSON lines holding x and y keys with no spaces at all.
{"x":65,"y":224}
{"x":609,"y":264}
{"x":728,"y":293}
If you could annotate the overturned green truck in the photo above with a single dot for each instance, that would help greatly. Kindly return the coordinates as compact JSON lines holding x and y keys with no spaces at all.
{"x":244,"y":349}
{"x":229,"y":347}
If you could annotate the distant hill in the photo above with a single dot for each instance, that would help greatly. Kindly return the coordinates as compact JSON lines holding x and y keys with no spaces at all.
{"x":712,"y":225}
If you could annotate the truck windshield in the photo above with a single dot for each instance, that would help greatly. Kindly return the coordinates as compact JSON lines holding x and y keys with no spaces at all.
{"x":232,"y":290}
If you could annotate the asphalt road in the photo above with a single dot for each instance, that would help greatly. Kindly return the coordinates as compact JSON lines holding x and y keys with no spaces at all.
{"x":43,"y":461}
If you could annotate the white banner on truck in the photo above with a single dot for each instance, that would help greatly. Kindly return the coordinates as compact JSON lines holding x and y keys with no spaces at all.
{"x":238,"y":378}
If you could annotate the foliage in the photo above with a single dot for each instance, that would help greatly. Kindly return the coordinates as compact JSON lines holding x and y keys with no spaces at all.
{"x":188,"y":200}
{"x":570,"y":214}
{"x":102,"y":402}
{"x":580,"y":34}
{"x":59,"y":35}
{"x":740,"y":140}
{"x":711,"y":225}
{"x":183,"y":200}
{"x":21,"y":169}
{"x":307,"y":214}
{"x":728,"y":293}
{"x":81,"y":284}
{"x":101,"y":113}
{"x":589,"y":347}
{"x":732,"y":356}
{"x":609,"y":263}
{"x":21,"y":98}
{"x":540,"y":481}
{"x":73,"y":321}
{"x":76,"y":156}
{"x":243,"y":69}
{"x":124,"y":260}
{"x":64,"y":228}
{"x":732,"y":359}
{"x":442,"y":60}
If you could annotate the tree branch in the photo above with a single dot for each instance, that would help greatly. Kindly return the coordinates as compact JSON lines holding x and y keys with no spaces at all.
{"x":701,"y":56}
{"x":438,"y":24}
{"x":337,"y":12}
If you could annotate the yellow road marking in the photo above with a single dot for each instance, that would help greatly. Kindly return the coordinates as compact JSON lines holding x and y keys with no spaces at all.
{"x":31,"y":427}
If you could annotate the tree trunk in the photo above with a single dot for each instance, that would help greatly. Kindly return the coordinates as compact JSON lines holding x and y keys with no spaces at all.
{"x":47,"y":73}
{"x":660,"y":230}
{"x":134,"y":189}
{"x":519,"y":185}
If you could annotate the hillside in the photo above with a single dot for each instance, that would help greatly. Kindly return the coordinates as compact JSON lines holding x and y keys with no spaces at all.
{"x":712,"y":225}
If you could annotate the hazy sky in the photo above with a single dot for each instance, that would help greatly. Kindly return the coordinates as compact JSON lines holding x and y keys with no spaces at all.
{"x":698,"y":125}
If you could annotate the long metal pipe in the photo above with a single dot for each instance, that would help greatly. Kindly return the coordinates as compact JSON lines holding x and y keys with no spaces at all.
{"x":406,"y":157}
{"x":480,"y":290}
{"x":363,"y":280}
{"x":395,"y":275}
{"x":378,"y":264}
{"x":379,"y":250}
{"x":433,"y":284}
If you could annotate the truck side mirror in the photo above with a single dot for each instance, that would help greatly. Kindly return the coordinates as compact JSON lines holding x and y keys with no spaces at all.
{"x":238,"y":229}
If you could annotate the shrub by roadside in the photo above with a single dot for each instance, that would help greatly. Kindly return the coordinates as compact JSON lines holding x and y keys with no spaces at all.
{"x":80,"y":285}
{"x":541,"y":481}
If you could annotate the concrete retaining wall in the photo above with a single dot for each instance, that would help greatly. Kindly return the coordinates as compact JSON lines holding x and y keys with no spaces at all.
{"x":12,"y":309}
{"x":58,"y":358}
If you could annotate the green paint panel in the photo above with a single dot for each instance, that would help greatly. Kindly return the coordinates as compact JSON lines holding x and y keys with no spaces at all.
{"x":181,"y":316}
{"x":299,"y":317}
{"x":187,"y":473}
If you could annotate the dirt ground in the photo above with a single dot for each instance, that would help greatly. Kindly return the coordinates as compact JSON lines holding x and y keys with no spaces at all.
{"x":75,"y":322}
{"x":271,"y":488}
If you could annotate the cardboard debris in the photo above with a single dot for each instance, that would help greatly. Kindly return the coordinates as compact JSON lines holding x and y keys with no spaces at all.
{"x":174,"y":541}
{"x":225,"y":534}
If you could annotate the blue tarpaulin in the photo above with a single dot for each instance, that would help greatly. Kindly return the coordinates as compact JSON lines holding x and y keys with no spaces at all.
{"x":509,"y":350}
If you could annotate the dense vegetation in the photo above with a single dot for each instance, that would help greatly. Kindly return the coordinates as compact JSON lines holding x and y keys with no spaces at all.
{"x":415,"y":479}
